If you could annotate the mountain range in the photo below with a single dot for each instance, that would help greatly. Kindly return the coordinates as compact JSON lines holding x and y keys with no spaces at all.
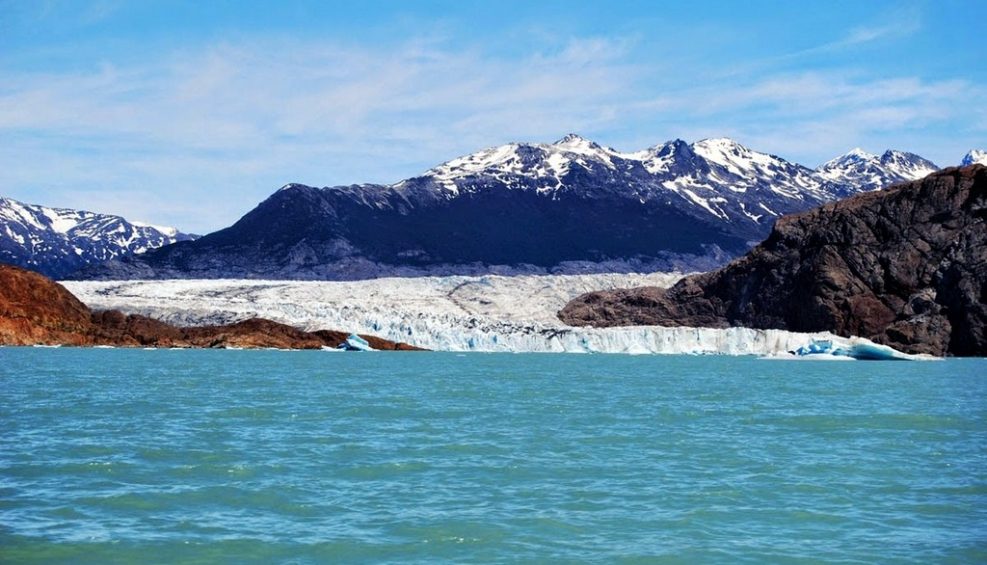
{"x":569,"y":206}
{"x":60,"y":241}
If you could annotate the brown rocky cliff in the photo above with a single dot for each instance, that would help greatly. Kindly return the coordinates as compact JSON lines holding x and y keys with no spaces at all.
{"x":35,"y":310}
{"x":905,"y":266}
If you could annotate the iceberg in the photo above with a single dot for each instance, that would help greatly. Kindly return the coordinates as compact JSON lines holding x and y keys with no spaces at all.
{"x":851,"y":348}
{"x":355,"y":343}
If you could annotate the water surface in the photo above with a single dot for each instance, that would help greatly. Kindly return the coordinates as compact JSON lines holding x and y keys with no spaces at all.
{"x":260,"y":456}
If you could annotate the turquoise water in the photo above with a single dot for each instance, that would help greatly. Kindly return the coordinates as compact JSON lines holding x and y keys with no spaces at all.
{"x":304,"y":457}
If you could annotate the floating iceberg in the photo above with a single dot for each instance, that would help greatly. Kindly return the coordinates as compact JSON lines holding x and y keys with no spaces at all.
{"x":355,"y":343}
{"x":815,"y":347}
{"x":851,"y":348}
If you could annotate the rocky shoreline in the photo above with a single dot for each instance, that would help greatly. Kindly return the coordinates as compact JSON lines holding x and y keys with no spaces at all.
{"x":35,"y":310}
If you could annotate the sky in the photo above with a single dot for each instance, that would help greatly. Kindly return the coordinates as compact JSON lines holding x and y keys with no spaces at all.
{"x":189,"y":113}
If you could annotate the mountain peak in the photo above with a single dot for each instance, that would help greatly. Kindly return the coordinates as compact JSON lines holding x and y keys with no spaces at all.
{"x":975,"y":156}
{"x":718,"y":142}
{"x":668,"y":148}
{"x":860,"y":153}
{"x":734,"y":157}
{"x":579,"y":144}
{"x":167,"y":230}
{"x":575,"y":143}
{"x":909,"y":165}
{"x":573,"y":139}
{"x":870,"y":172}
{"x":894,"y":153}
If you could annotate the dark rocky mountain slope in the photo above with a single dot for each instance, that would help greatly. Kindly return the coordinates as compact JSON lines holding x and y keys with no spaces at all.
{"x":905,"y":266}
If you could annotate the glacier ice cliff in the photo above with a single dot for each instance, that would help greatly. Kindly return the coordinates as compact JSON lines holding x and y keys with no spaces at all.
{"x":457,"y":313}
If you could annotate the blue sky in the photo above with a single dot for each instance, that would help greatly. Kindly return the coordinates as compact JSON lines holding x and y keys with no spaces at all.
{"x":190,"y":113}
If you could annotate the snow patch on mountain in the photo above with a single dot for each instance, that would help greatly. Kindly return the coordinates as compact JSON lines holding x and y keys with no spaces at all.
{"x":573,"y":143}
{"x":908,"y":166}
{"x":507,"y":163}
{"x":736,"y":158}
{"x":167,"y":230}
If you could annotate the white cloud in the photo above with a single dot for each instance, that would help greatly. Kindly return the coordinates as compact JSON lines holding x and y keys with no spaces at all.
{"x":326,"y":112}
{"x":905,"y":22}
{"x":197,"y":137}
{"x":233,"y":97}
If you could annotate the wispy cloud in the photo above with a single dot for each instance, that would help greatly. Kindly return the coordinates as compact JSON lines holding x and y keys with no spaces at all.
{"x":199,"y":135}
{"x":230,"y":96}
{"x":904,"y":22}
{"x":325,"y":112}
{"x":811,"y":116}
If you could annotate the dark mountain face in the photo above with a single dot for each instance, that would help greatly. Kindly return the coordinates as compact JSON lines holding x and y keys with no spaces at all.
{"x":905,"y":266}
{"x":304,"y":232}
{"x":59,"y":241}
{"x":571,"y":206}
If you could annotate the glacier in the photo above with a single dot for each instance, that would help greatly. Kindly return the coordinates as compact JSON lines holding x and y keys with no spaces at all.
{"x":452,"y":313}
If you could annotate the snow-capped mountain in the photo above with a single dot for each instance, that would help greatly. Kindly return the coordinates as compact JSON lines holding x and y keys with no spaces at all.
{"x":974,"y":157}
{"x":712,"y":177}
{"x":568,"y":206}
{"x":865,"y":171}
{"x":59,"y":241}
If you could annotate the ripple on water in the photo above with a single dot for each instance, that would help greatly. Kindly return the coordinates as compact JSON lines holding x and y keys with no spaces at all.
{"x":115,"y":455}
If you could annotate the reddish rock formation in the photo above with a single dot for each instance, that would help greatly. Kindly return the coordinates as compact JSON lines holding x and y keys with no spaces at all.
{"x":905,"y":266}
{"x":35,"y":310}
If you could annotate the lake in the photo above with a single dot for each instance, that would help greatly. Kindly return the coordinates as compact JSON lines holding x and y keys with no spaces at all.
{"x":305,"y":457}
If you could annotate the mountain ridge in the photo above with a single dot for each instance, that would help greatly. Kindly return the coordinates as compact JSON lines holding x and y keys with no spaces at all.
{"x":870,"y":172}
{"x":59,"y":241}
{"x":569,"y":206}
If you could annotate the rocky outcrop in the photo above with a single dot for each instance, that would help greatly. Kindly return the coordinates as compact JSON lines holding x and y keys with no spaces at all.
{"x":905,"y":266}
{"x":35,"y":310}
